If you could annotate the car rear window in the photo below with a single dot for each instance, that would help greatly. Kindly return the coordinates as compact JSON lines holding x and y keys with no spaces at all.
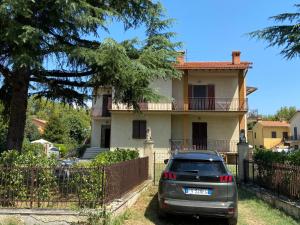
{"x":201,"y":168}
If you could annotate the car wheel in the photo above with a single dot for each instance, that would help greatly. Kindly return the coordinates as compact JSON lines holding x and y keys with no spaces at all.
{"x":232,"y":221}
{"x":161,"y":214}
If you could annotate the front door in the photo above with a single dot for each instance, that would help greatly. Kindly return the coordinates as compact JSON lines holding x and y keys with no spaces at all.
{"x":105,"y":136}
{"x":199,"y":135}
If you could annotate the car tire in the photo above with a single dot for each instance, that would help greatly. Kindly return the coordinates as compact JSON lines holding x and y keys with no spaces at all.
{"x":161,"y":214}
{"x":232,"y":221}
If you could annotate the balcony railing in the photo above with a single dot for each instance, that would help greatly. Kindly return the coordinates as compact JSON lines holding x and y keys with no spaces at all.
{"x":203,"y":144}
{"x":194,"y":104}
{"x":292,"y":138}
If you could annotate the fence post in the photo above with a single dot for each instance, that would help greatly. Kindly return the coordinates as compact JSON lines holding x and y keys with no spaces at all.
{"x":253,"y":172}
{"x":243,"y":151}
{"x":31,"y":187}
{"x":103,"y":183}
{"x":148,"y":152}
{"x":154,"y":171}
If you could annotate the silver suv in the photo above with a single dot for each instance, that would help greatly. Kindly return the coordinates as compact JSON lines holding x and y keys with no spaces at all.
{"x":198,"y":183}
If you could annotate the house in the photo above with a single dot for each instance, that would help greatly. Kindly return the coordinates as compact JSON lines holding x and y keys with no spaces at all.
{"x":294,"y":139}
{"x":205,"y":109}
{"x":49,"y":148}
{"x":268,"y":134}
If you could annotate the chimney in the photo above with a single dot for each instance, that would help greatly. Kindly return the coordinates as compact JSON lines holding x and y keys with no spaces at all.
{"x":180,"y":58}
{"x":236,"y":57}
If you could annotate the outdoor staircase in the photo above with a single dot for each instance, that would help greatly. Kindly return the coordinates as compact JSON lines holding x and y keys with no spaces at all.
{"x":91,"y":153}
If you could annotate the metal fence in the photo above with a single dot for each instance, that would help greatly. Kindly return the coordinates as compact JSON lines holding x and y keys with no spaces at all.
{"x":69,"y":187}
{"x":123,"y":177}
{"x":281,"y":179}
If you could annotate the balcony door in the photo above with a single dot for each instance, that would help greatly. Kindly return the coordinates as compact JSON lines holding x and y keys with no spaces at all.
{"x":199,"y":135}
{"x":201,"y":97}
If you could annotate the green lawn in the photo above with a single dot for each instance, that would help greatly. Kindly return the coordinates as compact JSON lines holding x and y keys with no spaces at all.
{"x":252,"y":211}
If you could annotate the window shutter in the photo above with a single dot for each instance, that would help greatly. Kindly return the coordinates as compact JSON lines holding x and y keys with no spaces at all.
{"x":135,"y":129}
{"x":211,"y":91}
{"x":211,"y":96}
{"x":190,"y":91}
{"x":143,"y":129}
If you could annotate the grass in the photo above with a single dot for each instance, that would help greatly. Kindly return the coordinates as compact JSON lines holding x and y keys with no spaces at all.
{"x":6,"y":220}
{"x":252,"y":211}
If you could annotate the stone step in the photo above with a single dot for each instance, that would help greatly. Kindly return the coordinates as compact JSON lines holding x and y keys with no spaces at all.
{"x":91,"y":153}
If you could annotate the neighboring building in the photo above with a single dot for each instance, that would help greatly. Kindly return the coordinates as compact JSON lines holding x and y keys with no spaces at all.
{"x":205,"y":109}
{"x":40,"y":124}
{"x":49,"y":148}
{"x":294,"y":139}
{"x":268,"y":134}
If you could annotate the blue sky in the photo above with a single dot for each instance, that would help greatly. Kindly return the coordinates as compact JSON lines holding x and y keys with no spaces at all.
{"x":211,"y":29}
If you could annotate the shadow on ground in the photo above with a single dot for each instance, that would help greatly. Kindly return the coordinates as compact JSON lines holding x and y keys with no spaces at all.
{"x":151,"y":214}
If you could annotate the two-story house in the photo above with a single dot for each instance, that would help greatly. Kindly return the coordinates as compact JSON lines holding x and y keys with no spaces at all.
{"x":269,"y":134}
{"x":205,"y":109}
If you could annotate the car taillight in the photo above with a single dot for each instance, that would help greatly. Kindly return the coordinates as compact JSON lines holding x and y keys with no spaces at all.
{"x":226,"y":179}
{"x":169,"y":176}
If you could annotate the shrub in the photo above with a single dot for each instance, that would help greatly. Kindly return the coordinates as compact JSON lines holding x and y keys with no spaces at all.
{"x":19,"y":168}
{"x":263,"y":156}
{"x":115,"y":156}
{"x":294,"y":158}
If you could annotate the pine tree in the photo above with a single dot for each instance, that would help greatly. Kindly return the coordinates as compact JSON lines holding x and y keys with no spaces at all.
{"x":285,"y":35}
{"x":65,"y":34}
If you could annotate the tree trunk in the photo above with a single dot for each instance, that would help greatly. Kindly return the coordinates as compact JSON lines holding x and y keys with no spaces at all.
{"x":18,"y":107}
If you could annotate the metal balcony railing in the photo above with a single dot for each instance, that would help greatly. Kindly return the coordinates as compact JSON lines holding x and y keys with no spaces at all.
{"x":292,"y":138}
{"x":203,"y":144}
{"x":194,"y":104}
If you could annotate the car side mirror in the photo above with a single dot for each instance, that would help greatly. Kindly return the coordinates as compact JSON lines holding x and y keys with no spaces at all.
{"x":166,"y":161}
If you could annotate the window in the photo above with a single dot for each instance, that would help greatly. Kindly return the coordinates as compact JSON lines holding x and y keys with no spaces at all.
{"x":285,"y":135}
{"x":255,"y":135}
{"x":139,"y":129}
{"x":274,"y":134}
{"x":295,"y":133}
{"x":201,"y":168}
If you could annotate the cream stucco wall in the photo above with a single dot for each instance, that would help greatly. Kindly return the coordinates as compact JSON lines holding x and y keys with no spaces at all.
{"x":219,"y":128}
{"x":163,"y":88}
{"x":295,"y":122}
{"x":177,"y":90}
{"x":96,"y":131}
{"x":226,"y":83}
{"x":121,"y":130}
{"x":98,"y":97}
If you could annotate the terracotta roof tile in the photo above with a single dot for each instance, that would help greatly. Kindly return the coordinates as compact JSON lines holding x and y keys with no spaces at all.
{"x":274,"y":123}
{"x":213,"y":65}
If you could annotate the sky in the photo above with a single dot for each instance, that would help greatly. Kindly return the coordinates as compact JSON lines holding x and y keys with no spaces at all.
{"x":211,"y":29}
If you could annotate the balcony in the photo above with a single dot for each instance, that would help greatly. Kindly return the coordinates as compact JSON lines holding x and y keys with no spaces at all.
{"x":194,"y":104}
{"x":213,"y":104}
{"x":290,"y":139}
{"x":202,"y":144}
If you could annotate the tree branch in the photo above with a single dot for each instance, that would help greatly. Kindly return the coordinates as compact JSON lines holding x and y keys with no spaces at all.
{"x":5,"y":72}
{"x":60,"y":73}
{"x":60,"y":82}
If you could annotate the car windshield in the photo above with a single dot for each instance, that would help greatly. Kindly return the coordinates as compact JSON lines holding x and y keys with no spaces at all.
{"x":201,"y":168}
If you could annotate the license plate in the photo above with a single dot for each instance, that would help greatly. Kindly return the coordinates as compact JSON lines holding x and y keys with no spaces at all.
{"x":197,"y":191}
